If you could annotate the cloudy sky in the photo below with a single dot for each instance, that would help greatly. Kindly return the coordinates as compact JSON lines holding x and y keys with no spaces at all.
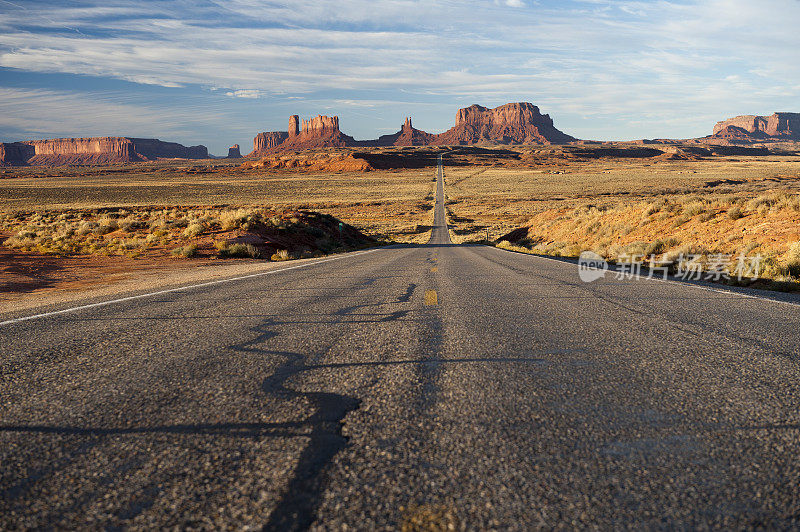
{"x":216,"y":72}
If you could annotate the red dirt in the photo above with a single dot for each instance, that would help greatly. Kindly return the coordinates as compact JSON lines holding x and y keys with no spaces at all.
{"x":23,"y":272}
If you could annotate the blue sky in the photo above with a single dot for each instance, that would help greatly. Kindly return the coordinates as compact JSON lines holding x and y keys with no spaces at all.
{"x":218,"y":72}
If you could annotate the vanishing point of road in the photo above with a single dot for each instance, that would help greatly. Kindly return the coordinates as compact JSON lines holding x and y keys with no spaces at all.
{"x":439,"y":384}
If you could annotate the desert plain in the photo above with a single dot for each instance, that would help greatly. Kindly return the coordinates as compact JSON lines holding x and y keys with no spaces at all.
{"x":68,"y":228}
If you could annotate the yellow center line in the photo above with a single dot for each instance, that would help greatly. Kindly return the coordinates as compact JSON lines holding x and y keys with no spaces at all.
{"x":431,"y":298}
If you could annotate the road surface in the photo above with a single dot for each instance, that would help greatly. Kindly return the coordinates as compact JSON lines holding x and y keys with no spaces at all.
{"x":433,"y":384}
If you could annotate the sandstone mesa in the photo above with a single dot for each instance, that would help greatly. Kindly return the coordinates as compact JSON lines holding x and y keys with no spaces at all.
{"x":94,"y":150}
{"x":513,"y":123}
{"x":234,"y":153}
{"x":752,"y":128}
{"x":510,"y":124}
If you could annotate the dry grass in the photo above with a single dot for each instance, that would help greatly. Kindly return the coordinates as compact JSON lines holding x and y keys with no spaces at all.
{"x":390,"y":204}
{"x":613,"y":206}
{"x":674,"y":226}
{"x":503,"y":199}
{"x":616,"y":208}
{"x":182,"y":231}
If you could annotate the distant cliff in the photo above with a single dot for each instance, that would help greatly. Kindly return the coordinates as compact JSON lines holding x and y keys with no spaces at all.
{"x":753,"y":128}
{"x":269,"y":140}
{"x":407,"y":136}
{"x":318,"y":132}
{"x":514,"y":123}
{"x":234,"y":153}
{"x":94,"y":150}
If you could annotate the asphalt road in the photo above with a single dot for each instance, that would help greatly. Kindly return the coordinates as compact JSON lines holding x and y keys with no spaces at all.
{"x":433,"y":384}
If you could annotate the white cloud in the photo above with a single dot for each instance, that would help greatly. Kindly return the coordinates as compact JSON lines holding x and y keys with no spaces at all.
{"x":597,"y":59}
{"x":43,"y":113}
{"x":244,"y":93}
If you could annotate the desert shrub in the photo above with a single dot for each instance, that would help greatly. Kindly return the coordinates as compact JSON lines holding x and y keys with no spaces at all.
{"x":680,"y":220}
{"x":765,"y":201}
{"x":280,"y":255}
{"x":626,"y":229}
{"x":654,"y":207}
{"x":793,"y":260}
{"x":156,"y":223}
{"x":230,"y":220}
{"x":789,"y":202}
{"x":189,"y":250}
{"x":238,"y":250}
{"x":130,"y":225}
{"x":660,"y":246}
{"x":194,"y":229}
{"x":178,"y":223}
{"x":105,"y":225}
{"x":571,"y":250}
{"x":735,"y":212}
{"x":694,"y":198}
{"x":771,"y":267}
{"x":728,"y":200}
{"x":694,"y":208}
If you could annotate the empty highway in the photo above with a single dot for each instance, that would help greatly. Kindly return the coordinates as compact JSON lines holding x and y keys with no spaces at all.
{"x":438,"y":384}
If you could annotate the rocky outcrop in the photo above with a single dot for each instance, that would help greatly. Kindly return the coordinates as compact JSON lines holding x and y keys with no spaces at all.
{"x":94,"y":150}
{"x":320,"y":125}
{"x":234,"y":153}
{"x":15,"y":153}
{"x":750,"y":128}
{"x":407,"y":136}
{"x":294,"y":126}
{"x":269,"y":140}
{"x":342,"y":163}
{"x":158,"y":149}
{"x":513,"y":123}
{"x":736,"y":134}
{"x":318,"y":132}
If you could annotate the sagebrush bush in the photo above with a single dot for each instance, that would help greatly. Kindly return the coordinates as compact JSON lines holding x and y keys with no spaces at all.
{"x":680,"y":220}
{"x":230,"y":220}
{"x":189,"y":250}
{"x":237,"y":250}
{"x":793,"y":260}
{"x":130,"y":225}
{"x":735,"y":212}
{"x":194,"y":229}
{"x":765,"y":201}
{"x":280,"y":255}
{"x":694,"y":208}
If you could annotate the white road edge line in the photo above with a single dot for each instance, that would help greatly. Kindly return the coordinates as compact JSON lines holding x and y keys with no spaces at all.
{"x":182,"y":288}
{"x":670,"y":281}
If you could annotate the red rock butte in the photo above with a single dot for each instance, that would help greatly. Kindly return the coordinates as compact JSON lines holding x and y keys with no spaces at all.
{"x":513,"y":123}
{"x":753,"y":128}
{"x":94,"y":150}
{"x":234,"y":153}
